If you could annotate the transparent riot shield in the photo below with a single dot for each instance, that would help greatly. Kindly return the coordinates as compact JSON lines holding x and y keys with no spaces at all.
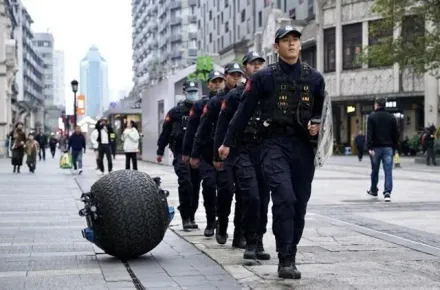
{"x":325,"y":138}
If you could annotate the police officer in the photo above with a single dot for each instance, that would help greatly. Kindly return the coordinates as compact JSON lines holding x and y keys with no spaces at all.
{"x":206,"y":169}
{"x":255,"y":193}
{"x":289,"y":94}
{"x":226,"y":174}
{"x":172,"y":135}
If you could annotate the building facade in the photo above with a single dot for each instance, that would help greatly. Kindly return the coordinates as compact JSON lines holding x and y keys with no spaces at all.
{"x":93,"y":82}
{"x":164,"y":38}
{"x":331,"y":43}
{"x":8,"y":69}
{"x":229,"y":28}
{"x":30,"y":77}
{"x":59,"y":81}
{"x":44,"y":46}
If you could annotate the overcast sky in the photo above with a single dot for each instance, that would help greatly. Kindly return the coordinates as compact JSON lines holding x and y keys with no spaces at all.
{"x":78,"y":24}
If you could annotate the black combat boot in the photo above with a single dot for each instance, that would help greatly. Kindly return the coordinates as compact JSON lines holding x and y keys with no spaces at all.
{"x":250,"y":253}
{"x":261,"y":253}
{"x":186,"y":224}
{"x":239,"y":240}
{"x":15,"y":169}
{"x":210,"y":228}
{"x":194,"y":226}
{"x":221,"y":231}
{"x":286,"y":265}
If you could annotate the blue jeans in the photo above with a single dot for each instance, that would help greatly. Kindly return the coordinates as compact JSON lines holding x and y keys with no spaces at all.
{"x":77,"y":159}
{"x":384,"y":154}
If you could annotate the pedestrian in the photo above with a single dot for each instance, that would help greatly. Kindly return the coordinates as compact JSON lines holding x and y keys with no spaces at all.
{"x":95,"y":144}
{"x":359,"y":141}
{"x":208,"y":174}
{"x":77,"y":145}
{"x":287,"y":95}
{"x":131,"y":138}
{"x":429,"y":142}
{"x":41,"y":138}
{"x":173,"y":132}
{"x":18,"y":139}
{"x":226,"y":171}
{"x":255,"y":193}
{"x":32,"y":148}
{"x":53,"y":144}
{"x":104,"y":140}
{"x":382,"y":143}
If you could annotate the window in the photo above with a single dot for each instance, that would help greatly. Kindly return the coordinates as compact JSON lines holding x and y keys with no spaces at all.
{"x":351,"y":46}
{"x":243,"y":15}
{"x":210,"y":14}
{"x":413,"y":27}
{"x":210,"y":37}
{"x":329,"y":50}
{"x":292,"y":14}
{"x":309,"y":56}
{"x":260,"y":18}
{"x":222,"y":42}
{"x":248,"y":24}
{"x":218,"y":44}
{"x":238,"y":32}
{"x":226,"y":4}
{"x":221,"y":17}
{"x":214,"y":23}
{"x":379,"y":33}
{"x":226,"y":26}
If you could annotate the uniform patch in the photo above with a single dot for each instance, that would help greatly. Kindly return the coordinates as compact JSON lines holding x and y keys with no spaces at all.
{"x":205,"y":109}
{"x":191,"y":112}
{"x":167,"y":118}
{"x":248,"y":86}
{"x":224,"y":104}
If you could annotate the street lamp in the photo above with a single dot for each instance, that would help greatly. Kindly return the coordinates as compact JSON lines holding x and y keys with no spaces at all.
{"x":74,"y":84}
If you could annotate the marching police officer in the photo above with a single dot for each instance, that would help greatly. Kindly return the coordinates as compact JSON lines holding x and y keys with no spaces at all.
{"x":207,"y":172}
{"x":289,"y":95}
{"x":255,"y":193}
{"x":226,"y":185}
{"x":172,"y":135}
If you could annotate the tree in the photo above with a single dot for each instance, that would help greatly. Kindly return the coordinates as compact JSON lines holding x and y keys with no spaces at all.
{"x":418,"y":46}
{"x":204,"y":65}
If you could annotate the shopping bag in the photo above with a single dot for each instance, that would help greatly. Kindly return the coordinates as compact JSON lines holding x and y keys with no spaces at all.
{"x":66,"y":161}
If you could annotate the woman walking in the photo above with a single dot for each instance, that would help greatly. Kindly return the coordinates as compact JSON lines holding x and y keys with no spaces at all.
{"x":18,"y":139}
{"x":131,"y":137}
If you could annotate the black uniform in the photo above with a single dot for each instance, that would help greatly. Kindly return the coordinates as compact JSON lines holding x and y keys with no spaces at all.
{"x":172,"y":134}
{"x":42,"y":141}
{"x":288,"y":97}
{"x":254,"y":191}
{"x":206,"y":170}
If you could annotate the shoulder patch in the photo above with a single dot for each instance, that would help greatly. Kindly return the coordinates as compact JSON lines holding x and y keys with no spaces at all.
{"x":167,"y":118}
{"x":224,"y":104}
{"x":191,"y":112}
{"x":205,"y":109}
{"x":248,"y":86}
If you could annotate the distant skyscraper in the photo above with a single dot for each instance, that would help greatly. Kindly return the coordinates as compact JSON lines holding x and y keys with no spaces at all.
{"x":94,"y":82}
{"x":59,"y":82}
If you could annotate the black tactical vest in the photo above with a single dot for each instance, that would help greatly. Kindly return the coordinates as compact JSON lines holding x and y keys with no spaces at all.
{"x":291,"y":106}
{"x":179,"y":127}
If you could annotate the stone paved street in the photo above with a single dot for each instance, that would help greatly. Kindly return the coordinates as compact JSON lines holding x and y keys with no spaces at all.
{"x":41,"y":246}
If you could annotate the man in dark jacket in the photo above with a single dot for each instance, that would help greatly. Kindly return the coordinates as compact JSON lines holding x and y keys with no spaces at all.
{"x":428,"y":143}
{"x":77,"y":143}
{"x":382,"y":142}
{"x":41,"y":138}
{"x":105,"y":140}
{"x":360,"y":144}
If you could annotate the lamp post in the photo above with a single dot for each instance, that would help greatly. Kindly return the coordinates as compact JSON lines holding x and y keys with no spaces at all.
{"x":74,"y":84}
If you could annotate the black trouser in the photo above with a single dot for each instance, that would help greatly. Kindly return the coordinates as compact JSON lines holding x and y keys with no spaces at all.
{"x":226,"y":187}
{"x":131,"y":157}
{"x":209,"y":189}
{"x":42,"y":153}
{"x":360,"y":152}
{"x":105,"y":149}
{"x":255,"y":193}
{"x":288,"y":168}
{"x":189,"y":187}
{"x":430,"y":156}
{"x":53,"y":149}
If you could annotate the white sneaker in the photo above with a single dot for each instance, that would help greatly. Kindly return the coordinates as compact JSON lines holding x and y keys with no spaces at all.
{"x":80,"y":171}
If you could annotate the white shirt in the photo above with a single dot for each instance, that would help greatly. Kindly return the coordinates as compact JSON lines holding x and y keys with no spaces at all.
{"x":104,"y":136}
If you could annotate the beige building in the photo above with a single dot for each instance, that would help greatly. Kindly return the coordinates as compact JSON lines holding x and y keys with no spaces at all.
{"x":331,"y":44}
{"x":8,"y":69}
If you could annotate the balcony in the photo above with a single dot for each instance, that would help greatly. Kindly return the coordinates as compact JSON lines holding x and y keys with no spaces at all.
{"x":192,"y":19}
{"x":176,"y":54}
{"x":175,"y":20}
{"x":192,"y":35}
{"x":176,"y":37}
{"x":175,"y":4}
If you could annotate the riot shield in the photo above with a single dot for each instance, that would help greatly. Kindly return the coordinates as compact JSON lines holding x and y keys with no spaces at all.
{"x":325,"y":138}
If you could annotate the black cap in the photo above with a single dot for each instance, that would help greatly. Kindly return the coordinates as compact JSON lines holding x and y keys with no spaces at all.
{"x":190,"y":86}
{"x":233,"y":67}
{"x":251,"y":56}
{"x":381,"y":101}
{"x":215,"y":75}
{"x":283,"y":31}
